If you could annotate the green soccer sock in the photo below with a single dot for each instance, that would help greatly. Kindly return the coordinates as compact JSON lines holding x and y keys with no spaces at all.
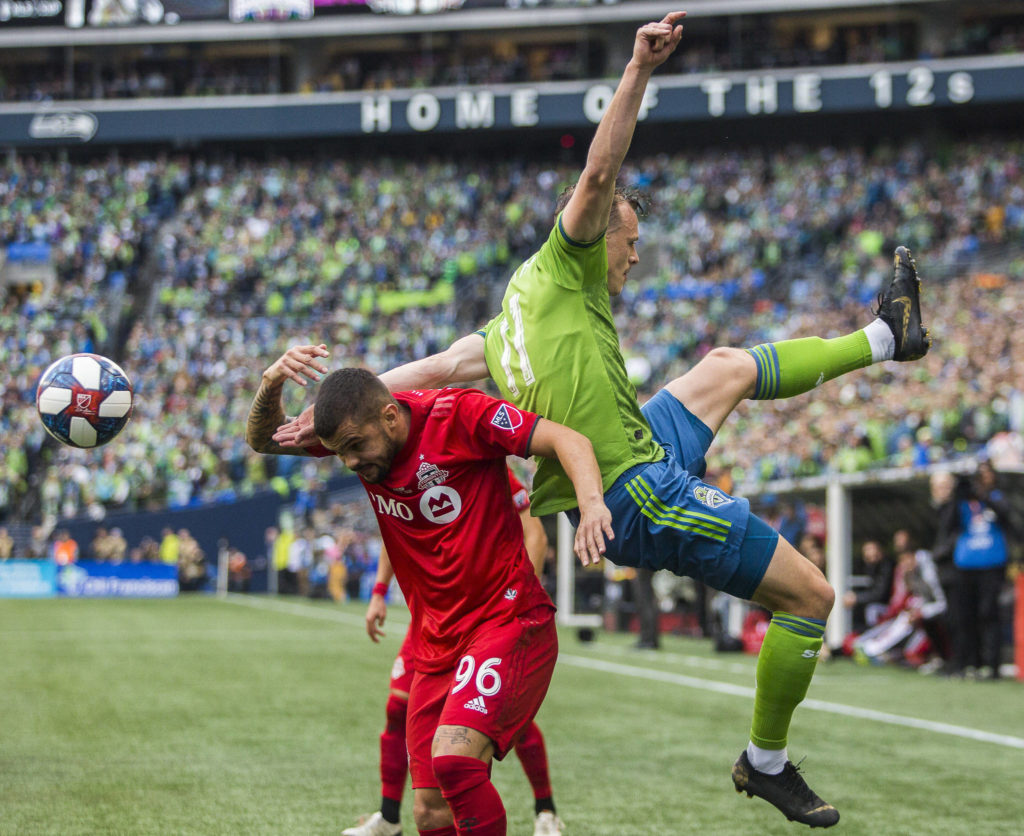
{"x":785,"y":666}
{"x":792,"y":367}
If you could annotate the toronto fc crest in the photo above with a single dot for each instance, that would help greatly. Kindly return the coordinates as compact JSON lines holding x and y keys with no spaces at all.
{"x":430,"y":475}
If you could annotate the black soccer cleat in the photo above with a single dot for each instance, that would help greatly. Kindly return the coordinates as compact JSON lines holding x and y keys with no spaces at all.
{"x":788,"y":791}
{"x":899,"y":307}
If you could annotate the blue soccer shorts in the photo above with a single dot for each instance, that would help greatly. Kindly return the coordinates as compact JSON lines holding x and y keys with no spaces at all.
{"x":665,"y":517}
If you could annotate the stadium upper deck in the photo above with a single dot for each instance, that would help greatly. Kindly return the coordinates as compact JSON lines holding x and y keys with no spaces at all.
{"x":106,"y":53}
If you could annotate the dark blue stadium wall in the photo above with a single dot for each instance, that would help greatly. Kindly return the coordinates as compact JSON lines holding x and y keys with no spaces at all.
{"x":241,"y":523}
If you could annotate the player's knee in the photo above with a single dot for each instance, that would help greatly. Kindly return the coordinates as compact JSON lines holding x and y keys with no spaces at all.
{"x":734,"y":365}
{"x":457,"y":774}
{"x":820,"y":598}
{"x":395,"y":711}
{"x":430,"y":811}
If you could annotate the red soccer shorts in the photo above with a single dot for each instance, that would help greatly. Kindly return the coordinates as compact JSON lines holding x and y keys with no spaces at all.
{"x":401,"y":670}
{"x":496,"y":688}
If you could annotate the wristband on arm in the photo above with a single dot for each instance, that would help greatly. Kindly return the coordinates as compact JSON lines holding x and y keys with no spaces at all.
{"x":380,"y":589}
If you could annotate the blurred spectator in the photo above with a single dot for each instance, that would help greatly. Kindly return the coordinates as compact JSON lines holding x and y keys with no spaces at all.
{"x":38,"y":544}
{"x":149,"y":550}
{"x":99,"y":548}
{"x":6,"y":544}
{"x":359,"y":561}
{"x":332,"y":548}
{"x":982,"y":521}
{"x":192,"y":571}
{"x":646,"y":609}
{"x":170,"y":547}
{"x":65,"y":548}
{"x":287,"y":583}
{"x":911,"y":630}
{"x":239,"y":573}
{"x":790,"y":521}
{"x":117,"y":546}
{"x":871,"y":600}
{"x":300,"y":562}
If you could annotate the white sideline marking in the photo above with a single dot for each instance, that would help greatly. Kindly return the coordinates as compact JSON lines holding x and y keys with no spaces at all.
{"x":300,"y":609}
{"x":678,"y":679}
{"x":814,"y":705}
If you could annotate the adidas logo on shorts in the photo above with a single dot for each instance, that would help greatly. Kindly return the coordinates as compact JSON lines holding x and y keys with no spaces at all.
{"x":477,"y":704}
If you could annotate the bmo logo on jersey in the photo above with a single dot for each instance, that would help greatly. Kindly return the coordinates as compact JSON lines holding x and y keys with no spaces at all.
{"x":440,"y":504}
{"x":392,"y":507}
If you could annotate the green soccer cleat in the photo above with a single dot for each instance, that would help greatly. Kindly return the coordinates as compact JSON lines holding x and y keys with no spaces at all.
{"x":788,"y":791}
{"x":899,"y":307}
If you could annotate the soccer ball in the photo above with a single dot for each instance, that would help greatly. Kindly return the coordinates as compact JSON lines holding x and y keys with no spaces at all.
{"x":84,"y":400}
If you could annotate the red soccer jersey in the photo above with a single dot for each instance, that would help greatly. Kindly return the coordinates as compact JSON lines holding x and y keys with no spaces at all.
{"x":446,"y":516}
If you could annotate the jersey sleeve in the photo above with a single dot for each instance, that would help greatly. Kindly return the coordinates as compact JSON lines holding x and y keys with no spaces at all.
{"x":573,"y":264}
{"x":486,"y":427}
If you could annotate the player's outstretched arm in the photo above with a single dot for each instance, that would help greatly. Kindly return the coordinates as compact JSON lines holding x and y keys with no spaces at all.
{"x":586,"y":215}
{"x":462,"y":362}
{"x":576,"y":455}
{"x":299,"y":363}
{"x":377,"y":609}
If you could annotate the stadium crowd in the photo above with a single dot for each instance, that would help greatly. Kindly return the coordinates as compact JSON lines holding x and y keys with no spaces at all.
{"x":718,"y":48}
{"x":386,"y":261}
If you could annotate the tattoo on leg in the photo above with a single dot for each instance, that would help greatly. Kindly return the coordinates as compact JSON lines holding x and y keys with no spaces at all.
{"x":453,"y":735}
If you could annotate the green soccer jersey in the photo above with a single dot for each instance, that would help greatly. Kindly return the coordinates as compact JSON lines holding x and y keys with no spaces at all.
{"x":553,"y":350}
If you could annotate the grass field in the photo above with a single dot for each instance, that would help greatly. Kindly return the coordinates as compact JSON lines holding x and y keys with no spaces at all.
{"x":204,"y":716}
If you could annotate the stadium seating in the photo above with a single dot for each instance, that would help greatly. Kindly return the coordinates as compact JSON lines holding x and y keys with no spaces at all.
{"x":378,"y":259}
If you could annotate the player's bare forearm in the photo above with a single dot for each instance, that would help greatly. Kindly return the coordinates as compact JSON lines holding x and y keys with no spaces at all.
{"x":576,"y":455}
{"x":385,"y":573}
{"x":462,"y":362}
{"x":377,"y":609}
{"x":265,"y":415}
{"x":536,"y":540}
{"x":586,"y":215}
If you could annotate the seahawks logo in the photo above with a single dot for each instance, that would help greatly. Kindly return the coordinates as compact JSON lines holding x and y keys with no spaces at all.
{"x":712,"y":497}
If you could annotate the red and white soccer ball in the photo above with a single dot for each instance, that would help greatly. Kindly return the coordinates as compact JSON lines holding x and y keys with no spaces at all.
{"x":84,"y":400}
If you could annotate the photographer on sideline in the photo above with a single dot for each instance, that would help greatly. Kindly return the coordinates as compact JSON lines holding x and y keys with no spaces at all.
{"x":978,"y":520}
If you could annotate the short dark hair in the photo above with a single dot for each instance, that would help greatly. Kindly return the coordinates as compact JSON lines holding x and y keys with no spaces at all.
{"x":355,"y":395}
{"x":639,"y":201}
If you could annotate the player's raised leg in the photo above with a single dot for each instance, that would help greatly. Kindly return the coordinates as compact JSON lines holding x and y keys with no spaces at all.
{"x":713,"y":388}
{"x":800,"y":600}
